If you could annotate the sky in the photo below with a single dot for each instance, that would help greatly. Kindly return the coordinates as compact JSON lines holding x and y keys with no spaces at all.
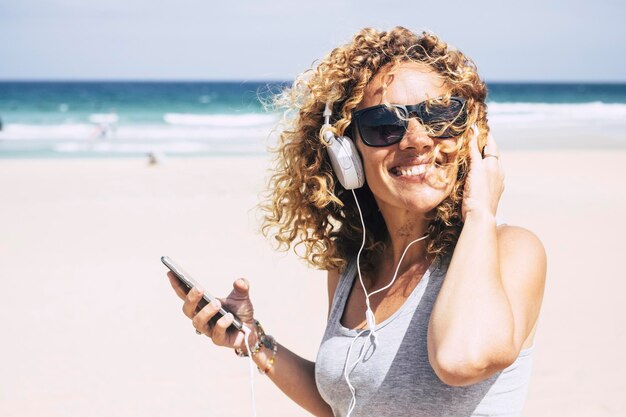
{"x":558,"y":41}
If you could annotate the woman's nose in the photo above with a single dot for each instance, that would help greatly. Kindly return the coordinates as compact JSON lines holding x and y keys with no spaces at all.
{"x":416,"y":137}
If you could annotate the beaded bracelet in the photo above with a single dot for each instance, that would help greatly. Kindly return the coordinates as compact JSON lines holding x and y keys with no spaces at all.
{"x":270,"y":343}
{"x":243,"y":354}
{"x":257,"y":346}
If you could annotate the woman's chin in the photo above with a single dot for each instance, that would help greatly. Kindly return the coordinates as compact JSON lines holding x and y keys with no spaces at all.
{"x":418,"y":203}
{"x":413,"y":193}
{"x":423,"y":206}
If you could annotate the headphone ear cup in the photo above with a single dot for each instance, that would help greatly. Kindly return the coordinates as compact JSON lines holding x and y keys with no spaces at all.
{"x":346,"y":162}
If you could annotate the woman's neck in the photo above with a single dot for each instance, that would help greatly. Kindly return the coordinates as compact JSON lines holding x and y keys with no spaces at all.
{"x":414,"y":263}
{"x":403,"y":227}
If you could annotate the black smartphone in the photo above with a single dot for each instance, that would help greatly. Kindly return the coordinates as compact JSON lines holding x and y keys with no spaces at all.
{"x":188,"y":283}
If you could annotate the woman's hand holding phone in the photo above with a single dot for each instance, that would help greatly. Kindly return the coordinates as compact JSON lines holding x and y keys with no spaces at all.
{"x":238,"y":302}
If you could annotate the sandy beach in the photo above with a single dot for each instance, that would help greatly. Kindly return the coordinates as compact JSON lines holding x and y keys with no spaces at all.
{"x":90,"y":326}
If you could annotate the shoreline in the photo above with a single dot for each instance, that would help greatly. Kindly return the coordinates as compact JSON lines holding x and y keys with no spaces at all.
{"x":582,"y":136}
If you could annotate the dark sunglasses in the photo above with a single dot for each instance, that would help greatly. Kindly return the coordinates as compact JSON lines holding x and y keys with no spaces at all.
{"x":383,"y":126}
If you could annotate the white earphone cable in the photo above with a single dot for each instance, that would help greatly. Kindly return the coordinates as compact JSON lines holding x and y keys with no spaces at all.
{"x":246,"y":332}
{"x":369,"y":314}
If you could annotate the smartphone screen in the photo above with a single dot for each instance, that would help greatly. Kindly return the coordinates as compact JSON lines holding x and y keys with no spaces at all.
{"x":188,"y":283}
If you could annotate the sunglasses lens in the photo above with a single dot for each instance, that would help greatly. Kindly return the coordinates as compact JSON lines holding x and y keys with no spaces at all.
{"x":381,"y":127}
{"x":438,"y":116}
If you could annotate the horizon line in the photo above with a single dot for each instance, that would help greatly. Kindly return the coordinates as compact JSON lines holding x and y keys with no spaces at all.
{"x":276,"y":81}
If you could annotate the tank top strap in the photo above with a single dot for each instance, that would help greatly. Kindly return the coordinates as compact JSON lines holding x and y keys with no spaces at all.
{"x":343,"y":290}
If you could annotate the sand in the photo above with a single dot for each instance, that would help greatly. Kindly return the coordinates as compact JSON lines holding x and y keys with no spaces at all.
{"x":90,"y":326}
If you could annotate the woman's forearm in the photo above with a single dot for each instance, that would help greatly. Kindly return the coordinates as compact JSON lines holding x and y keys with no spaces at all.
{"x":294,"y":376}
{"x":472,"y":320}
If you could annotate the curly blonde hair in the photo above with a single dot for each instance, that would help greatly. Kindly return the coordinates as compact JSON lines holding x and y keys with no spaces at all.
{"x":305,"y":206}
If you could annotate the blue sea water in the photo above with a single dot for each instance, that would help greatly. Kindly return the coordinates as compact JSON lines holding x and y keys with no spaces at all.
{"x":52,"y":119}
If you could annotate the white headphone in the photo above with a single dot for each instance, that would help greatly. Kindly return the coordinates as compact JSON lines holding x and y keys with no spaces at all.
{"x":343,"y":155}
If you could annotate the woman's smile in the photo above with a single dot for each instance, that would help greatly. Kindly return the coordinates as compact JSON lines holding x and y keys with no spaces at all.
{"x":411,"y":169}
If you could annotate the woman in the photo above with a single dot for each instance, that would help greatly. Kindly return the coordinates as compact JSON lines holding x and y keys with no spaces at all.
{"x":433,"y":309}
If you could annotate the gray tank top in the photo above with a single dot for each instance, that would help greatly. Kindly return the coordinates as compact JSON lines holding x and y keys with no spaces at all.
{"x":394,"y":377}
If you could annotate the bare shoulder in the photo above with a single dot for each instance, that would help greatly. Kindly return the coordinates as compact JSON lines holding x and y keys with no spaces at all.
{"x":515,"y":242}
{"x":523,"y":269}
{"x":333,"y":281}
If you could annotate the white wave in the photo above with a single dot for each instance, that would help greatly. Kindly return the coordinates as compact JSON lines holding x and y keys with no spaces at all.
{"x":219,"y":120}
{"x":184,"y":147}
{"x":73,"y":131}
{"x":106,"y":118}
{"x":548,"y":113}
{"x":112,"y":147}
{"x":88,"y":132}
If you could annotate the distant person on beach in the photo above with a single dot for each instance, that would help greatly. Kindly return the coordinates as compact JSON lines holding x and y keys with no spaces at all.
{"x":155,"y":158}
{"x":102,"y":130}
{"x":387,"y":177}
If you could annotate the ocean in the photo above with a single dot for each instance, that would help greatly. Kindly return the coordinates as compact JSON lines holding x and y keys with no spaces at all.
{"x":116,"y":119}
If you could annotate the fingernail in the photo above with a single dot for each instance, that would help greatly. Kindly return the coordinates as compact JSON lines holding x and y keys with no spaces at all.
{"x":216,"y":303}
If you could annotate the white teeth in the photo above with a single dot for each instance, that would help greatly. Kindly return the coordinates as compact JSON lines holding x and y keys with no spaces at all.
{"x":411,"y":171}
